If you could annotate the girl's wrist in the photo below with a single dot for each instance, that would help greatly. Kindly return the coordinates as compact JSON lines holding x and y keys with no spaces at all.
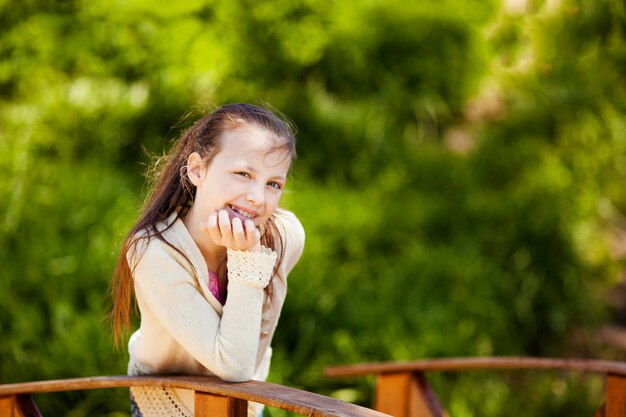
{"x":253,"y":268}
{"x":256,"y":248}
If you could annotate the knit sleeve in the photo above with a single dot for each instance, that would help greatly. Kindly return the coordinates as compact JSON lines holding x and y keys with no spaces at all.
{"x":294,"y":236}
{"x":252,"y":268}
{"x":227,"y":345}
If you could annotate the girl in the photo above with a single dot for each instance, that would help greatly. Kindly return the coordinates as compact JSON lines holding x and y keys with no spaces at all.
{"x":209,"y":257}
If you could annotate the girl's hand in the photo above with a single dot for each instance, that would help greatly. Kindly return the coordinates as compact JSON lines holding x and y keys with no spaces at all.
{"x":232,"y":233}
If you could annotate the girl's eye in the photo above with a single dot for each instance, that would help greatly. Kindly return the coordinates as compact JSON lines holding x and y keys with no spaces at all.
{"x":275,"y":185}
{"x":243,"y":174}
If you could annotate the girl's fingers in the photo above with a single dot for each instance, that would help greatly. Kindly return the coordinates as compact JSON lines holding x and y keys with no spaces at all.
{"x":239,"y":236}
{"x":251,"y":232}
{"x":226,"y":228}
{"x":257,"y":239}
{"x":232,"y":233}
{"x":253,"y":237}
{"x":213,"y":228}
{"x":212,"y":221}
{"x":224,"y":223}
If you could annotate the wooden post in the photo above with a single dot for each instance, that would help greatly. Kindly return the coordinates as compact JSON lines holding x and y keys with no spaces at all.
{"x":211,"y":405}
{"x":406,"y":394}
{"x":615,"y":394}
{"x":7,"y":405}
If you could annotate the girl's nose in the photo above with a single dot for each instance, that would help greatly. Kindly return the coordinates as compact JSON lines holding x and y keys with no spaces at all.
{"x":256,"y":196}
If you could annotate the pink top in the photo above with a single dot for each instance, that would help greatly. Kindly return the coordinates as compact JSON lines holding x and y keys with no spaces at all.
{"x":217,"y":288}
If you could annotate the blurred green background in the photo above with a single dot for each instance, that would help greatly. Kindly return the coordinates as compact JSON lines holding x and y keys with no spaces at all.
{"x":461,"y":178}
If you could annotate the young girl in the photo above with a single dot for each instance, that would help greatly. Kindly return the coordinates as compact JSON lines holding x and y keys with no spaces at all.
{"x":209,"y":257}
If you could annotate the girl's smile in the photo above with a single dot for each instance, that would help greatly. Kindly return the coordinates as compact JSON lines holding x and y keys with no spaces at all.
{"x":241,"y":213}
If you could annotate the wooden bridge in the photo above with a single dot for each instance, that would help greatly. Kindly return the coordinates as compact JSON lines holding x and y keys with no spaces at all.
{"x":401,"y":388}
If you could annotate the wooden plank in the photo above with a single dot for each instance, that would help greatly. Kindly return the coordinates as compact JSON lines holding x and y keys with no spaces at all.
{"x":615,"y":393}
{"x":406,"y":395}
{"x":472,"y":363}
{"x":286,"y":398}
{"x":210,"y":405}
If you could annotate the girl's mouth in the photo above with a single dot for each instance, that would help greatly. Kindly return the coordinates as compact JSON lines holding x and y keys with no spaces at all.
{"x":241,"y":212}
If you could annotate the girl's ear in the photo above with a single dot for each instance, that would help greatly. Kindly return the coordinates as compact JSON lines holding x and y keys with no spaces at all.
{"x":195,"y":168}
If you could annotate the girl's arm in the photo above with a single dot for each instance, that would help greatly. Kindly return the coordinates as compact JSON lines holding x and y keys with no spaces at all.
{"x":226,"y":346}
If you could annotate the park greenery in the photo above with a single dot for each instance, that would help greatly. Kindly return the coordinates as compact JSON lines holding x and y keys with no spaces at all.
{"x":461,"y":179}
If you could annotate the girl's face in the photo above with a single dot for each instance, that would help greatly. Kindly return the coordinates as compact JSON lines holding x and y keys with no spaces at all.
{"x":246,"y":177}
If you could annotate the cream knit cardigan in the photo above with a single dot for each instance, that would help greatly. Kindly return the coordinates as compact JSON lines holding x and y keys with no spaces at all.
{"x":185,"y":330}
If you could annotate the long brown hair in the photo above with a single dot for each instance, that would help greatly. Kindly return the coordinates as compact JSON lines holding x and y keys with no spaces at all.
{"x":172,"y":191}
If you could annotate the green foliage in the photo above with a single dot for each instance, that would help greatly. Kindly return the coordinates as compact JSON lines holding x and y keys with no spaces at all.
{"x":460,"y":179}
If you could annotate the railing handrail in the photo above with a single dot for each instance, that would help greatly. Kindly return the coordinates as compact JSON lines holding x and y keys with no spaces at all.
{"x":273,"y":395}
{"x":478,"y":363}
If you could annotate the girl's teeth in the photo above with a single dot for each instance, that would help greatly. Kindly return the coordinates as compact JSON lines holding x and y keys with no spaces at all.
{"x":242,"y":213}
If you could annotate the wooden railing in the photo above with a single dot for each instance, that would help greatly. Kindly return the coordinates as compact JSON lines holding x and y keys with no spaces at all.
{"x":402,"y":389}
{"x":213,"y":397}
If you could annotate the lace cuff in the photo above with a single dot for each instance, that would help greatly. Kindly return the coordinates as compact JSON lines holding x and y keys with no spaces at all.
{"x":252,"y":268}
{"x":158,"y":401}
